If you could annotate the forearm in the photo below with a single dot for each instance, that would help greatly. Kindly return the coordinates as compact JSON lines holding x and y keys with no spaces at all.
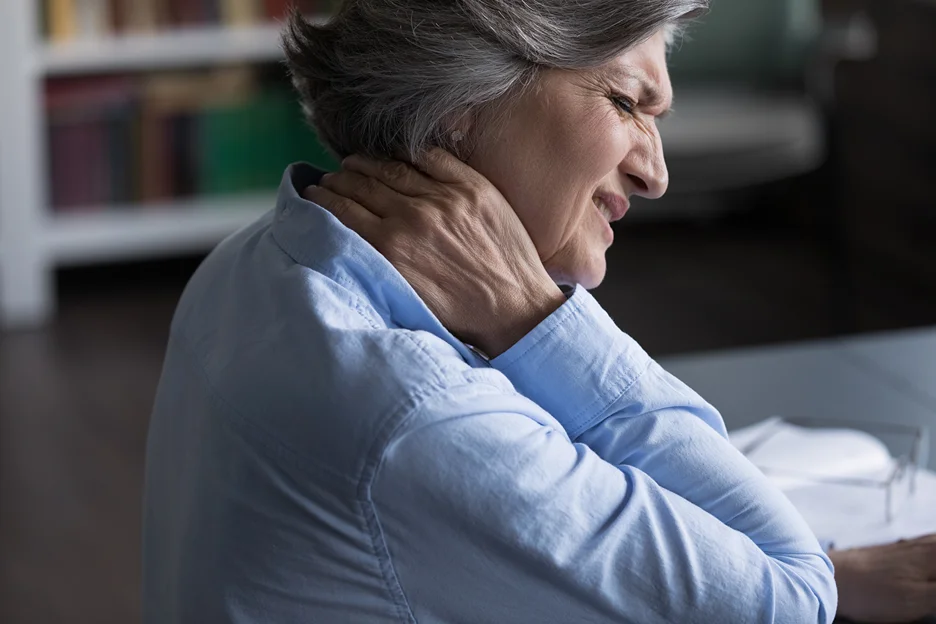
{"x":610,"y":395}
{"x":544,"y":530}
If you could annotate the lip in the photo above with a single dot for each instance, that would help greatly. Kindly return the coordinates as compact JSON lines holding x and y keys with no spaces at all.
{"x":616,"y":204}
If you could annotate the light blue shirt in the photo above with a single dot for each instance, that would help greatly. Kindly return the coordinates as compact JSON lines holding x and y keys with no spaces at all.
{"x":322,"y":449}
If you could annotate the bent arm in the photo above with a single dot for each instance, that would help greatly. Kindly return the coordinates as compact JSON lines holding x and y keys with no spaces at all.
{"x":490,"y":514}
{"x":610,"y":396}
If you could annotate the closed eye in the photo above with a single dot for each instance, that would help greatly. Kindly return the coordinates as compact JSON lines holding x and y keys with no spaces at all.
{"x":623,"y":103}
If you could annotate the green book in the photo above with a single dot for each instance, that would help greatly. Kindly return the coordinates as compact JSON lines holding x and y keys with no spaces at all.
{"x":246,"y":146}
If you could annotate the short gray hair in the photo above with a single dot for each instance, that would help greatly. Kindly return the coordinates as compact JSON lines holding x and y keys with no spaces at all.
{"x":393,"y":77}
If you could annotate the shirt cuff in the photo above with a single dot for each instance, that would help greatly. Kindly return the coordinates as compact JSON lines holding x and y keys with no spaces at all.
{"x":575,"y":364}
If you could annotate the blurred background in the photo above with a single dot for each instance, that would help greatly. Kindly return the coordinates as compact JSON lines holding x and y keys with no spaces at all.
{"x":136,"y":134}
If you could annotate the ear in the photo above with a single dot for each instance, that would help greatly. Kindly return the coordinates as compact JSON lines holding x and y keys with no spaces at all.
{"x":459,"y":135}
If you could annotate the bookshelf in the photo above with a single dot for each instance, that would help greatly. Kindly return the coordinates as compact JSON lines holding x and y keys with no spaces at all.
{"x":179,"y":226}
{"x":166,"y":50}
{"x":34,"y":239}
{"x":772,"y":137}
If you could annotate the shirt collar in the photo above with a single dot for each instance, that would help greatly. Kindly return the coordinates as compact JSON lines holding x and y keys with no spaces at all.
{"x":314,"y":238}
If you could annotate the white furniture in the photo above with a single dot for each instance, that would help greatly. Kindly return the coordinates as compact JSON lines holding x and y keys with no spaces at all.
{"x":33,"y":239}
{"x":715,"y":141}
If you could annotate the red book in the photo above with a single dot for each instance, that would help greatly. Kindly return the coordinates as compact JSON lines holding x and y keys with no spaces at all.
{"x":188,"y":13}
{"x":80,"y":113}
{"x":277,"y":9}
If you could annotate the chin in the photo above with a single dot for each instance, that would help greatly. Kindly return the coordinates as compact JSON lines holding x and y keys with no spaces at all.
{"x":588,"y":275}
{"x":591,"y":280}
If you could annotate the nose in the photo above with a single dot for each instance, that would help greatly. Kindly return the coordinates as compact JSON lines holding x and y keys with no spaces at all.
{"x":645,"y":169}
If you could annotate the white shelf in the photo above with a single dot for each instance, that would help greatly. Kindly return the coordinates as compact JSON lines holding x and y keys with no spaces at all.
{"x":33,"y":240}
{"x":173,"y":49}
{"x":150,"y":230}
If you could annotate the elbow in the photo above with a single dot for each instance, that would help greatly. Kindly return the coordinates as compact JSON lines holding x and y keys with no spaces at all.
{"x":804,"y":589}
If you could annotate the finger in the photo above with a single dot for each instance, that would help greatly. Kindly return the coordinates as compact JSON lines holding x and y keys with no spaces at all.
{"x":369,"y":192}
{"x":349,"y":212}
{"x":395,"y":174}
{"x":443,"y":166}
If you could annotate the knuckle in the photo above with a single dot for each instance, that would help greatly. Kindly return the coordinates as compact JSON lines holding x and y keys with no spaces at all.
{"x":395,"y":171}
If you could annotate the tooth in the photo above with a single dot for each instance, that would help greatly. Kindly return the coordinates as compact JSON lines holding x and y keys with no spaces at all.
{"x":603,"y":208}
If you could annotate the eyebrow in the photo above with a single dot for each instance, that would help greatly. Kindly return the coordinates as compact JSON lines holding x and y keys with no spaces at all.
{"x":652,"y":95}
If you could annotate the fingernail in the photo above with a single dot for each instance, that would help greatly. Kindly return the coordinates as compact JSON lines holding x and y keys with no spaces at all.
{"x":325,"y":178}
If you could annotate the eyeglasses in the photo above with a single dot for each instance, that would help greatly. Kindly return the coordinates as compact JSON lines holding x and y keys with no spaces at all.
{"x":896,"y":482}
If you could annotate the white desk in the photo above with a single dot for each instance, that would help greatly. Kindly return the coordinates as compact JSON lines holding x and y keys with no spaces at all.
{"x":887,"y":378}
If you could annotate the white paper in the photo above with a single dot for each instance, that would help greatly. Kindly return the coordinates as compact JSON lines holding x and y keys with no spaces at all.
{"x":849,"y":515}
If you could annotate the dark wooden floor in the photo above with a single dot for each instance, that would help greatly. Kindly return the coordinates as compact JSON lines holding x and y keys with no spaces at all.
{"x":75,"y":397}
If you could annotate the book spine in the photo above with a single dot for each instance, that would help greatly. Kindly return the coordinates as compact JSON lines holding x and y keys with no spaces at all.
{"x":239,"y":12}
{"x":58,"y":144}
{"x":121,"y":161}
{"x":139,"y":15}
{"x":99,"y":161}
{"x":186,"y":12}
{"x":154,"y":154}
{"x":92,"y":18}
{"x":211,"y":11}
{"x":183,"y":159}
{"x":118,"y":17}
{"x":276,"y":10}
{"x":62,"y":19}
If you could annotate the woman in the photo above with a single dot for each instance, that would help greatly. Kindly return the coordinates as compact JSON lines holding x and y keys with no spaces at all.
{"x":378,"y":404}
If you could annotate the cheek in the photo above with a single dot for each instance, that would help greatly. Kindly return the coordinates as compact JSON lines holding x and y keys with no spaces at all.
{"x":580,"y":156}
{"x":548,"y":162}
{"x":589,"y":157}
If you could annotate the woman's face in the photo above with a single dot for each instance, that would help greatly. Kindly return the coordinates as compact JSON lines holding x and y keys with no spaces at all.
{"x":571,"y":153}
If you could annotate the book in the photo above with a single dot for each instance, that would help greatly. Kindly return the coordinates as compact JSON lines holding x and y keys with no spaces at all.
{"x":123,"y":153}
{"x":277,"y":9}
{"x":169,"y":118}
{"x":239,"y":13}
{"x":92,"y":18}
{"x":138,"y":16}
{"x":245,"y":146}
{"x":184,"y":13}
{"x":87,"y":118}
{"x":120,"y":140}
{"x":62,"y":19}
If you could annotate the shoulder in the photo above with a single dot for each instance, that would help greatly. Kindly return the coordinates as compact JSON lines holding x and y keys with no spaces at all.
{"x":300,"y":358}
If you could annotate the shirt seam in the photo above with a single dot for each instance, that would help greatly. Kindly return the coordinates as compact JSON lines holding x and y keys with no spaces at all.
{"x":375,"y":458}
{"x":355,"y":300}
{"x":388,"y":433}
{"x":587,"y":424}
{"x":362,"y":484}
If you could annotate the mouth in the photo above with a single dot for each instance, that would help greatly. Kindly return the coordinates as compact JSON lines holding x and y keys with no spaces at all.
{"x":613,"y":207}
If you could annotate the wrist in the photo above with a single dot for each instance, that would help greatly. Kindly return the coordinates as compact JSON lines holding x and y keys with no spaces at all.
{"x":519,"y":316}
{"x":847,"y":565}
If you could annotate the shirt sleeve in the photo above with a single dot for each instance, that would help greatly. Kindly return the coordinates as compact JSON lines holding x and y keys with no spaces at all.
{"x":489,"y":514}
{"x":609,"y":395}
